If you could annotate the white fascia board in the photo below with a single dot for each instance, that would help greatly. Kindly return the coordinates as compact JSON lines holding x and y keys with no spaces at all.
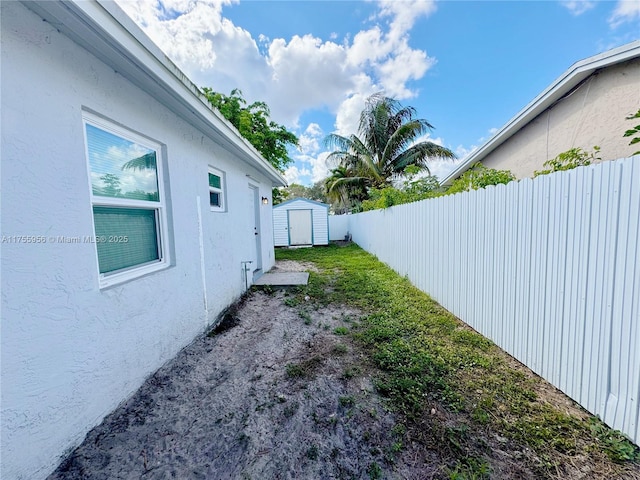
{"x":102,"y":28}
{"x":564,"y":84}
{"x":307,"y":200}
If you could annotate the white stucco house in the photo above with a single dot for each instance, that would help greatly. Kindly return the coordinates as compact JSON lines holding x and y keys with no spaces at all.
{"x":584,"y":107}
{"x":300,"y":221}
{"x":129,"y":208}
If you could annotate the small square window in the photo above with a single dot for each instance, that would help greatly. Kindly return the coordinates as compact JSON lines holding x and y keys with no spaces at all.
{"x":216,"y":190}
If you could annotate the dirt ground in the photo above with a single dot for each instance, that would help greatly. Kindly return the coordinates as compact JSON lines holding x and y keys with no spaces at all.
{"x":275,"y":393}
{"x":278,"y":391}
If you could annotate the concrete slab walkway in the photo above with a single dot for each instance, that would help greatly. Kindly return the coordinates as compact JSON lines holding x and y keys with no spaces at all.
{"x":281,"y":279}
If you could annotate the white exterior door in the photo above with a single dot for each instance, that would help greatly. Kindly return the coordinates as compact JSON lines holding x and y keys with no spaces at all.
{"x":254,"y":230}
{"x":300,"y":229}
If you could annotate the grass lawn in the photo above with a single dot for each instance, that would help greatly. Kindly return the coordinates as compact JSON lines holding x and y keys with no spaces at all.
{"x":457,"y":392}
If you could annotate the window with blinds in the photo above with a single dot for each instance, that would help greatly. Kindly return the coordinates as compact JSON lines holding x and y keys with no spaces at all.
{"x":127,"y":201}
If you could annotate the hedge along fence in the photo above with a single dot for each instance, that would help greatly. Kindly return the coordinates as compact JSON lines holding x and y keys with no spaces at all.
{"x":547,"y":268}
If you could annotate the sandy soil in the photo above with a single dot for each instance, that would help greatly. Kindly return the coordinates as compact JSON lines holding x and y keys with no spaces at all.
{"x":274,"y":394}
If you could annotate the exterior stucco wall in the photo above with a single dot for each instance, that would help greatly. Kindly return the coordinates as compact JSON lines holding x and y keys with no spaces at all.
{"x":72,"y":352}
{"x":594,"y":114}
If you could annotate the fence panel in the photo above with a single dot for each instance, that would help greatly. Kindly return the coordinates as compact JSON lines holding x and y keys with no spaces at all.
{"x":546,"y":268}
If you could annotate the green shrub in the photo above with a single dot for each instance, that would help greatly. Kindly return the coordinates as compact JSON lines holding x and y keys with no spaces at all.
{"x":634,"y":132}
{"x":572,"y":158}
{"x":478,"y":177}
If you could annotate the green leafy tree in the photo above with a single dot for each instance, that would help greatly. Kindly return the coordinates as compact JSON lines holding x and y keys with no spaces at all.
{"x":254,"y":123}
{"x":146,"y":161}
{"x":572,"y":158}
{"x":419,"y":185}
{"x":315,"y":192}
{"x":278,"y":196}
{"x":111,"y":185}
{"x":387,"y":142}
{"x":634,"y":132}
{"x":412,"y":190}
{"x":478,"y":177}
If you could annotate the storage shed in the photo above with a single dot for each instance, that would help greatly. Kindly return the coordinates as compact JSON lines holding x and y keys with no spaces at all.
{"x":300,"y":222}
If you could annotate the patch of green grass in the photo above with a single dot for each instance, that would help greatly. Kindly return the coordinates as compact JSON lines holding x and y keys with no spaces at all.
{"x":267,"y":289}
{"x":399,"y":429}
{"x":351,"y":372}
{"x":347,"y":401}
{"x":374,"y":471}
{"x":294,"y":370}
{"x":480,"y":415}
{"x":340,"y":349}
{"x":341,"y":331}
{"x":304,"y":315}
{"x":313,"y":452}
{"x":615,"y":445}
{"x":303,"y":369}
{"x":470,"y":468}
{"x":291,"y":302}
{"x":425,"y":357}
{"x":290,"y":410}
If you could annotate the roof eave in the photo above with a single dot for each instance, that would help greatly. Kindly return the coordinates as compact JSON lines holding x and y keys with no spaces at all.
{"x":304,"y":199}
{"x":564,"y":84}
{"x":103,"y":29}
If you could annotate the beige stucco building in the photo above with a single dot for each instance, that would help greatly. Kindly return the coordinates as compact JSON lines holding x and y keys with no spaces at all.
{"x":584,"y":107}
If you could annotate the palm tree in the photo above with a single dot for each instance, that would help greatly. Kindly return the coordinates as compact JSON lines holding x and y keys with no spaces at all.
{"x":146,"y":161}
{"x":344,"y":189}
{"x":386,"y":144}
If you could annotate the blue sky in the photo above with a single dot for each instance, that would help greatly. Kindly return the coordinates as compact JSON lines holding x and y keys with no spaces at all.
{"x":467,"y":67}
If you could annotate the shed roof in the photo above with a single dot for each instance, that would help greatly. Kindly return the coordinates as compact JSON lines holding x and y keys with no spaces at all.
{"x":103,"y":29}
{"x":562,"y":86}
{"x":326,"y":205}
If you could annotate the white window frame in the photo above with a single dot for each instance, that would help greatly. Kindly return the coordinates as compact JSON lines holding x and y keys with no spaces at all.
{"x":162,"y":233}
{"x":220,"y":191}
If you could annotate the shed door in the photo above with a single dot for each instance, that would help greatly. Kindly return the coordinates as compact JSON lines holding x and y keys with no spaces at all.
{"x":300,"y":227}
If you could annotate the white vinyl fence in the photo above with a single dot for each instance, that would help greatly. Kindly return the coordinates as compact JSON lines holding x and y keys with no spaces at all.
{"x":338,"y":227}
{"x":546,"y":268}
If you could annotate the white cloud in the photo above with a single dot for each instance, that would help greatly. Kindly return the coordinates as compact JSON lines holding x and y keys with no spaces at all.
{"x":292,"y":175}
{"x":625,"y":11}
{"x":291,"y":76}
{"x":463,"y":152}
{"x":403,"y":15}
{"x":348,"y":115}
{"x":442,"y":168}
{"x":578,"y":7}
{"x":311,"y":155}
{"x":306,"y":73}
{"x":319,"y":167}
{"x":309,"y":141}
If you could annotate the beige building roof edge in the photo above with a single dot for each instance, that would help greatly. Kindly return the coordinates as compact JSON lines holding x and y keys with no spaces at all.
{"x":572,"y":77}
{"x":104,"y":29}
